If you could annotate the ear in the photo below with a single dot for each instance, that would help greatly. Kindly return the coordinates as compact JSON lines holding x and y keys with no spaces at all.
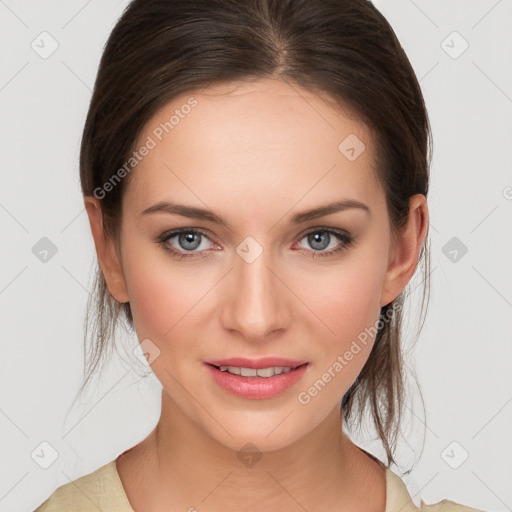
{"x":405,"y":250}
{"x":106,"y":251}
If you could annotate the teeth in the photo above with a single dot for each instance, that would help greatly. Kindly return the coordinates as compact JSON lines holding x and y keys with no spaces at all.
{"x":245,"y":372}
{"x":252,"y":372}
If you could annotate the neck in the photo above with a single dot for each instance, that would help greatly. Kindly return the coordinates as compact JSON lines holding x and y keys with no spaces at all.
{"x":179,"y":463}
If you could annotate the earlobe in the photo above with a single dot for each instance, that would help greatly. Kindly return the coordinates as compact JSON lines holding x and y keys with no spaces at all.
{"x":406,"y":249}
{"x":106,"y":251}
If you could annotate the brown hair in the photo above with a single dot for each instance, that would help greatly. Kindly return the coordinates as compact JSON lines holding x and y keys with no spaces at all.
{"x":344,"y":48}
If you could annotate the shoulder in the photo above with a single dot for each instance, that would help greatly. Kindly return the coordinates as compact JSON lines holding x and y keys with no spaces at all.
{"x":100,"y":490}
{"x":398,"y":498}
{"x":447,"y":506}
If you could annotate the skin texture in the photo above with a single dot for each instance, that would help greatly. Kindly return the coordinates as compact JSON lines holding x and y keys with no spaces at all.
{"x":255,"y":154}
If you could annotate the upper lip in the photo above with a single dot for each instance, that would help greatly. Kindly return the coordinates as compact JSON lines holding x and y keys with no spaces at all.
{"x":264,"y":362}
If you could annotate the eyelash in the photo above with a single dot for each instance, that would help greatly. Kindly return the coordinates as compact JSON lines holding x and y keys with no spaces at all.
{"x":344,"y":237}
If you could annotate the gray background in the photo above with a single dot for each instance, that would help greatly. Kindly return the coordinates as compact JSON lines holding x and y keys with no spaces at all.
{"x":462,"y":357}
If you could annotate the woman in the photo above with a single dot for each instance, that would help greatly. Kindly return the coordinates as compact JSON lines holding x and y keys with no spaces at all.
{"x":255,"y":175}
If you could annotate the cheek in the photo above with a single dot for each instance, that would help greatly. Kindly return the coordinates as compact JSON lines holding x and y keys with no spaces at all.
{"x":350,"y":307}
{"x":161,"y":297}
{"x":171,"y":301}
{"x":347,"y":301}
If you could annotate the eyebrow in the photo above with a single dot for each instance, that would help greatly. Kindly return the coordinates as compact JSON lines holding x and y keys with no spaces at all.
{"x":205,"y":214}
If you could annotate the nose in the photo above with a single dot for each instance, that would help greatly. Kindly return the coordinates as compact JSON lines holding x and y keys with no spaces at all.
{"x":256,"y":303}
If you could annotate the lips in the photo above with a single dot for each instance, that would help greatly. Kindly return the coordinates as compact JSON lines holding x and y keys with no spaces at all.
{"x":254,"y":386}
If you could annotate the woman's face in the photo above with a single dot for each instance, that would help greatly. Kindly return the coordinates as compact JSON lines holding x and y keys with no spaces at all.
{"x":269,"y":281}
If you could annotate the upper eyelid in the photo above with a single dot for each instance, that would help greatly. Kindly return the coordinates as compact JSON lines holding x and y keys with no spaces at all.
{"x":177,"y":231}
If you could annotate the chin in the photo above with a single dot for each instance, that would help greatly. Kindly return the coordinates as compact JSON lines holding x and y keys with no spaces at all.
{"x":260,"y":432}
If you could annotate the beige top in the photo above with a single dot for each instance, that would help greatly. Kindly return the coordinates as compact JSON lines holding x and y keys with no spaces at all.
{"x":103,"y":490}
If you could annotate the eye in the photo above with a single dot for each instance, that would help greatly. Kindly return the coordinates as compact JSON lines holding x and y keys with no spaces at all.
{"x":185,"y":241}
{"x":327,"y":241}
{"x":189,"y":242}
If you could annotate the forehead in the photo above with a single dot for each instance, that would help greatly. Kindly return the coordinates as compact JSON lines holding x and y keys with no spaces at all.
{"x":265,"y":137}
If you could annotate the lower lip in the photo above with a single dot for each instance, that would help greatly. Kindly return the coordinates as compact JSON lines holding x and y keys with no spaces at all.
{"x":256,"y":387}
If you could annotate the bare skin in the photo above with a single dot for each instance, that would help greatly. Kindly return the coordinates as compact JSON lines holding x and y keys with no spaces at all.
{"x":273,"y":478}
{"x":256,"y":155}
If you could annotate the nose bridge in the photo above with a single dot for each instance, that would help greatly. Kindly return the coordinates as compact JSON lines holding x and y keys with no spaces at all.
{"x":255,"y":305}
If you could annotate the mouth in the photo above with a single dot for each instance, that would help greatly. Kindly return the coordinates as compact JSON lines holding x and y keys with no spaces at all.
{"x":270,"y":371}
{"x":256,"y":379}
